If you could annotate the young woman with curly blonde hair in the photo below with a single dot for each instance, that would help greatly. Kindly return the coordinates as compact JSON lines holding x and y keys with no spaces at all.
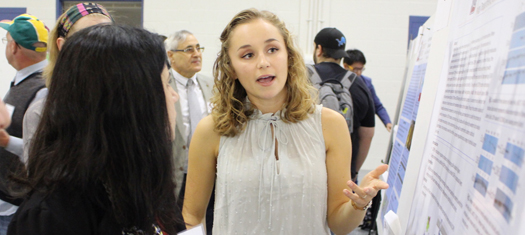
{"x":280,"y":163}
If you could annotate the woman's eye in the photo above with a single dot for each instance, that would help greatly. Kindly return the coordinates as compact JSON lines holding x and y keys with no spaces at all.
{"x":272,"y":50}
{"x":247,"y":56}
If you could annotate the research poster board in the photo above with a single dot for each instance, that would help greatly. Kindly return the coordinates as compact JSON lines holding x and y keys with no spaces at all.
{"x":471,"y":178}
{"x":407,"y":120}
{"x":433,"y":72}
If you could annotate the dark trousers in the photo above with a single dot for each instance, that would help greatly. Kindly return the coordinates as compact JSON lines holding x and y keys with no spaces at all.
{"x":209,"y":209}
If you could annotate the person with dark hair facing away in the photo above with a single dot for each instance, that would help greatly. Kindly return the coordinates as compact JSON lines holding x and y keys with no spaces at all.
{"x":26,"y":44}
{"x":100,"y":162}
{"x":329,"y":49}
{"x":280,"y":163}
{"x":355,"y":61}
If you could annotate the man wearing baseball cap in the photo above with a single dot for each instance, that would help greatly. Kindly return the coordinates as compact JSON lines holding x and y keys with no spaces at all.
{"x":329,"y":50}
{"x":26,"y":46}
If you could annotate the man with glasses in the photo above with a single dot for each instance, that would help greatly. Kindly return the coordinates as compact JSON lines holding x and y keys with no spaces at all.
{"x":355,"y":62}
{"x":26,"y":46}
{"x":195,"y":91}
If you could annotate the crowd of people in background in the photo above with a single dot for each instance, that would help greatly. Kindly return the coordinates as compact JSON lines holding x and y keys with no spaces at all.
{"x":117,"y":132}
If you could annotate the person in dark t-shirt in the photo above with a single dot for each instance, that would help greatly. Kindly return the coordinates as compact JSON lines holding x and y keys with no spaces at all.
{"x":329,"y":50}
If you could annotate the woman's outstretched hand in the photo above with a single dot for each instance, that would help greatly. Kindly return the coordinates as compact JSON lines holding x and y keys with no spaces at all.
{"x":370,"y":185}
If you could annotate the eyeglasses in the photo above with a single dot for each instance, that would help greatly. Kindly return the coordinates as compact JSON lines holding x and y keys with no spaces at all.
{"x":191,"y":50}
{"x":356,"y":69}
{"x":6,"y":41}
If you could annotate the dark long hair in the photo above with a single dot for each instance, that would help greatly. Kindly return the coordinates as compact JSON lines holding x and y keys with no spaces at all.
{"x":105,"y":122}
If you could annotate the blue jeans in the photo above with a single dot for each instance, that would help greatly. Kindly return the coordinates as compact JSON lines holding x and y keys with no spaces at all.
{"x":4,"y":223}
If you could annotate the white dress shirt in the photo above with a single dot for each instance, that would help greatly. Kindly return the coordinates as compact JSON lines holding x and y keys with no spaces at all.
{"x":181,"y":83}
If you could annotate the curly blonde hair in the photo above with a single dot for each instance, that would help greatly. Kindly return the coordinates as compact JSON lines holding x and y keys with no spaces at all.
{"x":229,"y":111}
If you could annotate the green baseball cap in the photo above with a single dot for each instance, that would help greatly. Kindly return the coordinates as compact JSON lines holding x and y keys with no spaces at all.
{"x":27,"y":30}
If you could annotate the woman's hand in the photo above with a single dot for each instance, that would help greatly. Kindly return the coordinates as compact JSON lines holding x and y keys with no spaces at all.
{"x":368,"y":189}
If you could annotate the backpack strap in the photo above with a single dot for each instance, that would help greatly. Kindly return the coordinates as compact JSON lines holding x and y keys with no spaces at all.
{"x":348,"y":79}
{"x":314,"y":76}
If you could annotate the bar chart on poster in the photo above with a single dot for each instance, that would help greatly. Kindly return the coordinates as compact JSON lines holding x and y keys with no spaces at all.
{"x":470,"y":176}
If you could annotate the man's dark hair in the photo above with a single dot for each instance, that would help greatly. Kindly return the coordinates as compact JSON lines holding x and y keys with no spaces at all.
{"x":105,"y":123}
{"x":327,"y":52}
{"x":354,"y":56}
